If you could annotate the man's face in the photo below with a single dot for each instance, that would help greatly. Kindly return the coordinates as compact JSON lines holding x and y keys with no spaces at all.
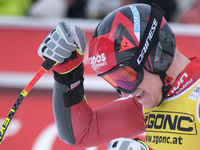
{"x":149,"y":92}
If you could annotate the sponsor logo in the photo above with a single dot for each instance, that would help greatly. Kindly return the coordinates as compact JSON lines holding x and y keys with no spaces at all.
{"x":98,"y":61}
{"x":185,"y":75}
{"x":65,"y":29}
{"x":149,"y":38}
{"x":195,"y":93}
{"x":170,"y":122}
{"x":164,"y":139}
{"x":14,"y":127}
{"x":198,"y":110}
{"x":136,"y":17}
{"x":125,"y":44}
{"x":181,"y":84}
{"x":6,"y":123}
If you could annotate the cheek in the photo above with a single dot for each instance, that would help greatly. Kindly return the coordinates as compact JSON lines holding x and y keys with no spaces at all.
{"x":152,"y":85}
{"x":156,"y":95}
{"x":154,"y":89}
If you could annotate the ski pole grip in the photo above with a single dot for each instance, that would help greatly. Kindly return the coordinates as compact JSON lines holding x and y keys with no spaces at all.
{"x":48,"y":64}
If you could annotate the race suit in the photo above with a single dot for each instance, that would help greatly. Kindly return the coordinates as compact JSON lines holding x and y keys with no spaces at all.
{"x":174,"y":124}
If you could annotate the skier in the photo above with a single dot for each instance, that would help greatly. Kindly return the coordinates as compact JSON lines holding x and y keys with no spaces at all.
{"x":133,"y":49}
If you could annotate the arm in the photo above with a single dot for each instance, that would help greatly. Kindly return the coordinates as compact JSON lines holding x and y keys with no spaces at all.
{"x":80,"y":126}
{"x":77,"y":123}
{"x":115,"y":119}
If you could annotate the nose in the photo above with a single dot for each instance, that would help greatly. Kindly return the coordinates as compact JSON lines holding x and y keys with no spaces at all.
{"x":124,"y":94}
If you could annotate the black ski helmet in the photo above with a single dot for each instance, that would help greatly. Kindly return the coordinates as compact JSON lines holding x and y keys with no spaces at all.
{"x":136,"y":33}
{"x":118,"y":36}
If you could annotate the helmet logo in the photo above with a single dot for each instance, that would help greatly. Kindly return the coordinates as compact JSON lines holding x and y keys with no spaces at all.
{"x":136,"y":17}
{"x":148,"y":39}
{"x":125,"y":44}
{"x":98,"y":61}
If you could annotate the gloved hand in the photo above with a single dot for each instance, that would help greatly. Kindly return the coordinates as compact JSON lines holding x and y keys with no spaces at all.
{"x":127,"y":144}
{"x":66,"y":46}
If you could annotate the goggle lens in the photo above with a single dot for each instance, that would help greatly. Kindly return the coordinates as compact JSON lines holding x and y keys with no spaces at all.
{"x":123,"y":78}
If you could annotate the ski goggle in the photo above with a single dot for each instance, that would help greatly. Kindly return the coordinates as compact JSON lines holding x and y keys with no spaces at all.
{"x":123,"y":78}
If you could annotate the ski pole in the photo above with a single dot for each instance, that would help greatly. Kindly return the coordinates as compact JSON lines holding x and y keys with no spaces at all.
{"x":46,"y":65}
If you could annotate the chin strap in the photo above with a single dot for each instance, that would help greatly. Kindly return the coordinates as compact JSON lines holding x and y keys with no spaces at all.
{"x":166,"y":80}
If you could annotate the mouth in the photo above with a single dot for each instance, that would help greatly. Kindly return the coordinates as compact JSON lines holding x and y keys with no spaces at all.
{"x":139,"y":95}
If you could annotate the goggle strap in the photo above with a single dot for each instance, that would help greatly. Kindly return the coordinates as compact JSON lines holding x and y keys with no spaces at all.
{"x":149,"y":39}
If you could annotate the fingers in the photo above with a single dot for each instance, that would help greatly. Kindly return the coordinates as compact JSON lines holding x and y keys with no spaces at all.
{"x":79,"y":39}
{"x":59,"y":44}
{"x":65,"y":31}
{"x":62,"y":41}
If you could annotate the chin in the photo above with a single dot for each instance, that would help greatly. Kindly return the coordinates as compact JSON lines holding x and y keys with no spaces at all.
{"x":149,"y":105}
